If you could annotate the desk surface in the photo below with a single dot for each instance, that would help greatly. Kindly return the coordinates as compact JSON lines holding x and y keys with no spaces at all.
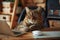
{"x":28,"y":35}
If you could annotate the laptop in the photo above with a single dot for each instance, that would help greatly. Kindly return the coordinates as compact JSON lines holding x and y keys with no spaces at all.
{"x":5,"y":29}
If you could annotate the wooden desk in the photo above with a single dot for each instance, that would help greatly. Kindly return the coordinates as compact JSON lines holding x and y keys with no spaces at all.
{"x":28,"y":36}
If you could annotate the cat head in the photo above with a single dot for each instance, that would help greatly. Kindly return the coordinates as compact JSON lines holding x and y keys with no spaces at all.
{"x":33,"y":15}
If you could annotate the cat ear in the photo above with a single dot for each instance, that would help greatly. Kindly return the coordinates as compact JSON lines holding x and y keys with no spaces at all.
{"x":27,"y":9}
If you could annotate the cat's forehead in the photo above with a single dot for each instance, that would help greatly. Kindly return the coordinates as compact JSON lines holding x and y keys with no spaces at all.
{"x":30,"y":11}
